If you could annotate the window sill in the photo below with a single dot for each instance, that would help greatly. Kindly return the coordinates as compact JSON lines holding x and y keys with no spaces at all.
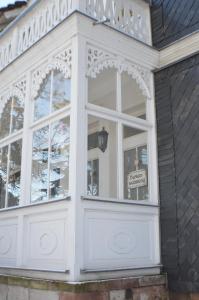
{"x":34,"y":204}
{"x":120,"y":201}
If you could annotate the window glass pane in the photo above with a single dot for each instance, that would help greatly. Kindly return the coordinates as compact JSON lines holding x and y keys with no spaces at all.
{"x":17,"y":115}
{"x":133,"y":102}
{"x":42,"y":102}
{"x":93,"y":177}
{"x":61,"y":91}
{"x":14,"y":189}
{"x":135,"y":164}
{"x":3,"y":174}
{"x":40,"y":165}
{"x":102,"y":89}
{"x":59,"y":159}
{"x":102,"y":158}
{"x":5,"y":120}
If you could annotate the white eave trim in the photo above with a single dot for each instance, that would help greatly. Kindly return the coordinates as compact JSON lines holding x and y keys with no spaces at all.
{"x":179,"y":50}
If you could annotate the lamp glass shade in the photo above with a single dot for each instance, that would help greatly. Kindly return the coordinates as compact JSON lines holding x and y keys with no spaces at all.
{"x":103,"y":140}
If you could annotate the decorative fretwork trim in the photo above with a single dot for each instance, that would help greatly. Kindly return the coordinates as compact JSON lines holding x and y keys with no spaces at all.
{"x":21,"y":85}
{"x":61,"y":62}
{"x":98,"y":60}
{"x":10,"y":93}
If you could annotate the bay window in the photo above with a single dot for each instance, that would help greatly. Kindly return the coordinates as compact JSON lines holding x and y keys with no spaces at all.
{"x":117,"y":148}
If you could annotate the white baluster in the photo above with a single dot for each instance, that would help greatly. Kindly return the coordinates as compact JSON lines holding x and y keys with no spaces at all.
{"x":49,"y":18}
{"x":90,"y":8}
{"x":36,"y":21}
{"x":99,"y":8}
{"x":109,"y":11}
{"x":64,"y":9}
{"x":79,"y":5}
{"x":118,"y":13}
{"x":56,"y":12}
{"x":31,"y":33}
{"x":6,"y":57}
{"x":43,"y":23}
{"x":15,"y":43}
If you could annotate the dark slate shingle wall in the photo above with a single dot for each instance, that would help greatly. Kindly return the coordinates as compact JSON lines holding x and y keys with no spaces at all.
{"x":173,"y":19}
{"x":177,"y":105}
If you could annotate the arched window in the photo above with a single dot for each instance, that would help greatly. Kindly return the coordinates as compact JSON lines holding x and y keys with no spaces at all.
{"x":11,"y":125}
{"x":118,"y":128}
{"x":51,"y":139}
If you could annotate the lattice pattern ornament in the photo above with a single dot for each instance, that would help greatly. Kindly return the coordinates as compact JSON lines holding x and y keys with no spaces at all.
{"x":66,"y":56}
{"x":21,"y":85}
{"x":126,"y":16}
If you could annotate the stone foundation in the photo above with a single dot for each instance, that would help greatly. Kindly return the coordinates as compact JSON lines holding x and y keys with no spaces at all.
{"x":177,"y":296}
{"x":139,"y":288}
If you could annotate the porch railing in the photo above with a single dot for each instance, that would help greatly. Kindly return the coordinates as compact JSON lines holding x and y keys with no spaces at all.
{"x":128,"y":16}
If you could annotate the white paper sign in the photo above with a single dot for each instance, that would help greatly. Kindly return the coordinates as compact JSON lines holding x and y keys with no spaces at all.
{"x":137,"y":179}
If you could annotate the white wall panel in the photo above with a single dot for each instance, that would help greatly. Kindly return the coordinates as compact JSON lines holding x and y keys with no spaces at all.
{"x":45,"y":243}
{"x":8,"y":242}
{"x":119,"y":239}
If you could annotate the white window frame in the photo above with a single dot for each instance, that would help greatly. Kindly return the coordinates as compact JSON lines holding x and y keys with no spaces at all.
{"x":7,"y":142}
{"x":33,"y":126}
{"x":122,"y":119}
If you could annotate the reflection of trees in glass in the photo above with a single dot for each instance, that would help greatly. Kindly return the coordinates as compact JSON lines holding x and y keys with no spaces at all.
{"x":10,"y":174}
{"x":51,"y":177}
{"x":59,"y":159}
{"x":61,"y":91}
{"x":17,"y":115}
{"x":3,"y":174}
{"x":40,"y":164}
{"x":42,"y":102}
{"x":11,"y":121}
{"x":11,"y":117}
{"x":53,"y":95}
{"x":5,"y":120}
{"x":14,"y":174}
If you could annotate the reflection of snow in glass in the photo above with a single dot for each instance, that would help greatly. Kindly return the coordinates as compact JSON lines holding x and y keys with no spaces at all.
{"x":3,"y":174}
{"x":54,"y":176}
{"x":92,"y":190}
{"x":50,"y":170}
{"x":93,"y":177}
{"x":14,"y":189}
{"x":41,"y":156}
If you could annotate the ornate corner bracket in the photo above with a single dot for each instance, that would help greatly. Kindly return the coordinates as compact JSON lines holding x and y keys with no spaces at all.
{"x":98,"y":60}
{"x":61,"y":61}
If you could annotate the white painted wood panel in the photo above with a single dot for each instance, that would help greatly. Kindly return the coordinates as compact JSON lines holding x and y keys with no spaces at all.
{"x":8,"y":242}
{"x":45,"y":241}
{"x":115,"y":238}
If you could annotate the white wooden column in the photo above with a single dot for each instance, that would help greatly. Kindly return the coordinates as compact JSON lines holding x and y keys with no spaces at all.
{"x":153,"y":165}
{"x":78,"y":153}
